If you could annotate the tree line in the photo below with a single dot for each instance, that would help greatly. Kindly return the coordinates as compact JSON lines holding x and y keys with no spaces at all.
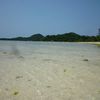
{"x":66,"y":37}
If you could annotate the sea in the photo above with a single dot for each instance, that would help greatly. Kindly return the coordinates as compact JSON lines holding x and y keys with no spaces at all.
{"x":32,"y":70}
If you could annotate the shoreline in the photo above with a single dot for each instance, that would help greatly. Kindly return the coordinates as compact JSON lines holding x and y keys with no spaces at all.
{"x":93,"y":43}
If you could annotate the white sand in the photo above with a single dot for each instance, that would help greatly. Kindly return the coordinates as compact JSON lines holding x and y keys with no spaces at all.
{"x":49,"y":71}
{"x":90,"y":42}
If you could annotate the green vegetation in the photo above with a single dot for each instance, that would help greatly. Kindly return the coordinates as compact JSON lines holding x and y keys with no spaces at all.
{"x":66,"y":37}
{"x":98,"y":45}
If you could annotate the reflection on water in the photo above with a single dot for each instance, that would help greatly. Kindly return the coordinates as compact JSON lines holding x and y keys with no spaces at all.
{"x":15,"y":50}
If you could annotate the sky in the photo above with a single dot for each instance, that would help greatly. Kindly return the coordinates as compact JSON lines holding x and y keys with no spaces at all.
{"x":28,"y":17}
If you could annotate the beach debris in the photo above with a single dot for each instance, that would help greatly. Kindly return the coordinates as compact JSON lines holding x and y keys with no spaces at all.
{"x":48,"y":86}
{"x":85,"y":60}
{"x":17,"y":77}
{"x":4,"y":52}
{"x":65,"y":70}
{"x":49,"y":60}
{"x":29,"y":80}
{"x":21,"y":57}
{"x":16,"y":93}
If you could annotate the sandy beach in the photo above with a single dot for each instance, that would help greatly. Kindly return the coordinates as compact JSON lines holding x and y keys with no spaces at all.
{"x":91,"y":42}
{"x":49,"y":71}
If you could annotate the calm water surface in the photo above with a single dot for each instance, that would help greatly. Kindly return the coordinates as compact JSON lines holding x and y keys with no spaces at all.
{"x":49,"y":71}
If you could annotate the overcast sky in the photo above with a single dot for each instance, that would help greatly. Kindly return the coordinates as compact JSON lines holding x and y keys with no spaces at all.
{"x":27,"y":17}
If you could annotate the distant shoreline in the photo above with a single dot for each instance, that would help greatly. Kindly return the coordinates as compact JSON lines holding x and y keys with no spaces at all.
{"x":94,"y":43}
{"x":91,"y":42}
{"x":66,"y":37}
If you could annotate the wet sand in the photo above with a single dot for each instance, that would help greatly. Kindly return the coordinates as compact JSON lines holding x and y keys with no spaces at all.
{"x":49,"y":71}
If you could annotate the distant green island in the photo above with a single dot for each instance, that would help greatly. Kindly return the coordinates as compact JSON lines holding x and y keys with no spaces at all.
{"x":66,"y":37}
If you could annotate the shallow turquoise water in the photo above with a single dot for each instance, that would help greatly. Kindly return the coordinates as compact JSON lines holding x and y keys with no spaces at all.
{"x":49,"y":71}
{"x":50,"y":48}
